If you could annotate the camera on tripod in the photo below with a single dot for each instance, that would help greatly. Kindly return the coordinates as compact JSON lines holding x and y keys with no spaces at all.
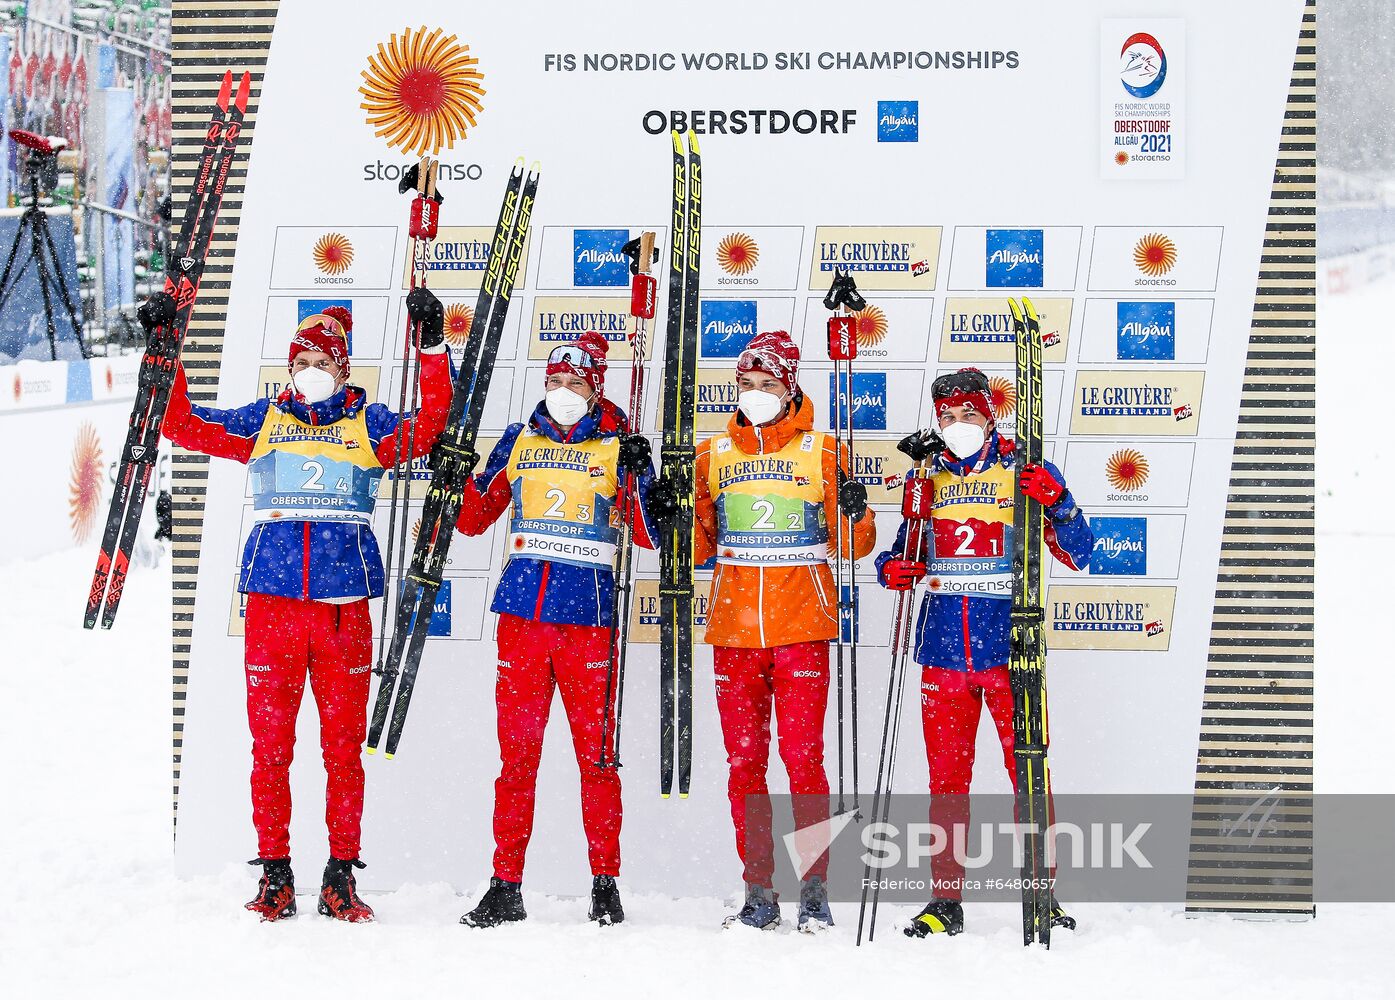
{"x":42,"y":161}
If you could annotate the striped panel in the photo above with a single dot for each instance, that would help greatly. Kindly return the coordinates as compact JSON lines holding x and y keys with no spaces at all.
{"x":209,"y":37}
{"x":1257,"y":710}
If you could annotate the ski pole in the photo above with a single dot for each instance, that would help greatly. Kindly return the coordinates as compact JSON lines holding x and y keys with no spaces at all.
{"x":916,"y":499}
{"x":643,"y":298}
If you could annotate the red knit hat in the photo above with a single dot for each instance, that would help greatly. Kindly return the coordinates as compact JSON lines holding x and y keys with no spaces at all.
{"x":968,"y":387}
{"x":327,"y":332}
{"x":583,"y":357}
{"x":773,"y":353}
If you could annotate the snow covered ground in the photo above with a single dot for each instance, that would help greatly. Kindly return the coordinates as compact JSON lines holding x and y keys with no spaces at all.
{"x":89,"y":907}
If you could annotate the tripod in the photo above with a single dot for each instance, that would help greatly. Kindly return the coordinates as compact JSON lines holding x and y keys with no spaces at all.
{"x":42,"y":253}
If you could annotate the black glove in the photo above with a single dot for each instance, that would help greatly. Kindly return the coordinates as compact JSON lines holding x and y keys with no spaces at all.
{"x":635,"y":453}
{"x":158,"y":310}
{"x":852,"y":499}
{"x":427,"y":312}
{"x":922,"y":444}
{"x":663,"y":501}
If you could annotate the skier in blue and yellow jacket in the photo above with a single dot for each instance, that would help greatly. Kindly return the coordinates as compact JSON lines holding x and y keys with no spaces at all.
{"x":962,"y":630}
{"x":560,"y":477}
{"x":315,"y":456}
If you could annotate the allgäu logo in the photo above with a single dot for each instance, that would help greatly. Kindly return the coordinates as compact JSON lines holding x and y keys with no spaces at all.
{"x":1147,"y":331}
{"x":1014,"y":258}
{"x":898,"y":121}
{"x":1121,"y":546}
{"x":727,"y":327}
{"x":596,"y":258}
{"x":868,"y":399}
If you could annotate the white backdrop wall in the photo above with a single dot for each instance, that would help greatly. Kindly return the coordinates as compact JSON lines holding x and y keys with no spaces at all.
{"x":1016,"y":155}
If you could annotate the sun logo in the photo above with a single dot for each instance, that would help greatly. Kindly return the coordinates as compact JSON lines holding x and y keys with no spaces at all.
{"x":110,"y":380}
{"x":421,"y":90}
{"x":871,"y":326}
{"x":1121,"y":158}
{"x":333,"y":253}
{"x":85,"y":482}
{"x":416,"y":529}
{"x":1155,"y":255}
{"x":737,"y":254}
{"x":17,"y":387}
{"x":1127,"y":470}
{"x":459,"y":319}
{"x":1004,"y":395}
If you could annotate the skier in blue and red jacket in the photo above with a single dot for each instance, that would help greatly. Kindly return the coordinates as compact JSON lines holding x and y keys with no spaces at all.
{"x":961,"y":636}
{"x":560,"y":476}
{"x":315,"y":455}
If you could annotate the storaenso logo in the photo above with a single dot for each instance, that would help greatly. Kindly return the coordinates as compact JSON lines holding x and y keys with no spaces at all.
{"x":1014,"y":258}
{"x":597,"y":261}
{"x":380,"y":171}
{"x":898,"y":121}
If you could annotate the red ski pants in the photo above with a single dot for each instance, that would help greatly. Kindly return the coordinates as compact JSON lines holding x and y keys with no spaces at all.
{"x":795,"y":679}
{"x":950,"y":704}
{"x":333,"y":643}
{"x":535,"y":657}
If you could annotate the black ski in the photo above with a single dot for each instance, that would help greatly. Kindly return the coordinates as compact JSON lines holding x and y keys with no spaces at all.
{"x":452,"y":460}
{"x":1027,"y":645}
{"x":157,"y":369}
{"x":677,"y":458}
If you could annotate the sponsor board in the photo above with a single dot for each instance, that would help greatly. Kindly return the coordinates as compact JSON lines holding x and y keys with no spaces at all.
{"x":459,"y":318}
{"x":271,"y":379}
{"x":1142,"y":88}
{"x":726,"y":326}
{"x":1151,"y":330}
{"x":328,"y":257}
{"x":1017,"y":258}
{"x":751,"y":257}
{"x":979,"y":330}
{"x":1132,"y":545}
{"x":111,"y":378}
{"x":904,"y":258}
{"x":903,"y":400}
{"x":879,"y":466}
{"x":28,"y":384}
{"x":889,"y":329}
{"x":1126,"y":473}
{"x":458,"y":258}
{"x":1163,"y":402}
{"x":716,"y":399}
{"x":644,"y":611}
{"x":1114,"y":617}
{"x":867,"y":406}
{"x":560,"y":319}
{"x":420,"y":479}
{"x":589,"y":256}
{"x":498,"y":404}
{"x":366,"y":339}
{"x":1155,"y":258}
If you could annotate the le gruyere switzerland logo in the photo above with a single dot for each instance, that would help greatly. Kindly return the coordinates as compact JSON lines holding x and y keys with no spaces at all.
{"x":85,"y":482}
{"x":333,"y":253}
{"x":1143,"y":65}
{"x":871,"y":325}
{"x":422,"y":90}
{"x":459,"y":319}
{"x":1155,"y":255}
{"x":1127,"y":470}
{"x":737,"y":254}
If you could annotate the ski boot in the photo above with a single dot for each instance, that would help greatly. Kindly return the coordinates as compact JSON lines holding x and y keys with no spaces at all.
{"x":1059,"y":917}
{"x":940,"y":916}
{"x":276,"y":890}
{"x":761,"y":910}
{"x":501,"y":904}
{"x":814,"y":914}
{"x":605,"y":901}
{"x":339,"y":893}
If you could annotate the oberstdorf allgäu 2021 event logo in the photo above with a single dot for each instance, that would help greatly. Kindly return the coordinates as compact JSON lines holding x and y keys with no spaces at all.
{"x":1143,"y":68}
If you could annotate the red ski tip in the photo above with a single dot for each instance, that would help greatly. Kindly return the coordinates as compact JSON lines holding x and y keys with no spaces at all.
{"x":225,"y":90}
{"x":244,"y":89}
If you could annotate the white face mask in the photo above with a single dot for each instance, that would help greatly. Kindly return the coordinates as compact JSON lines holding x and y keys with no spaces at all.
{"x":315,"y":384}
{"x":760,"y":406}
{"x":963,"y":438}
{"x":565,"y":406}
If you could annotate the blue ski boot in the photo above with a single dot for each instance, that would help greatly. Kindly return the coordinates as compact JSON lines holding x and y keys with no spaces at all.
{"x":814,"y":914}
{"x":761,"y":910}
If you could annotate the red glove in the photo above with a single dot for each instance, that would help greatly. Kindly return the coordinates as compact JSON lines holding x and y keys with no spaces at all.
{"x":902,"y":574}
{"x":1041,"y":485}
